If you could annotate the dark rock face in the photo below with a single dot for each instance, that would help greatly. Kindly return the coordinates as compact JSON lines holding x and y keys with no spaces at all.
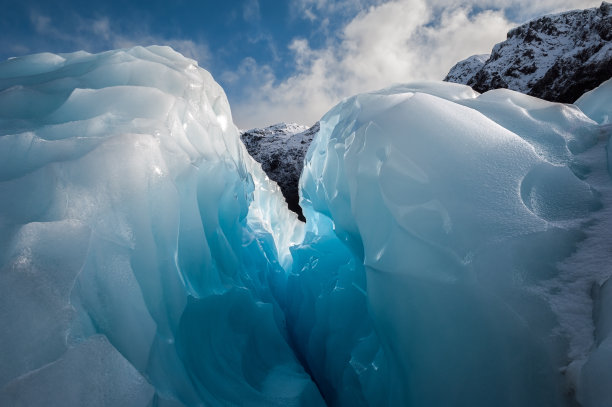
{"x":280,"y":149}
{"x":556,"y":57}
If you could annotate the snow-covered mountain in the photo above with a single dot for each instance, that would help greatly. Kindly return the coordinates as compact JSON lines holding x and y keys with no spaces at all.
{"x":280,"y":149}
{"x":556,"y":57}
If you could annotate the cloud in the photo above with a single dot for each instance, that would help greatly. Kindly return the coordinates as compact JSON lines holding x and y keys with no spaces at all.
{"x":317,"y":10}
{"x":519,"y":11}
{"x":392,"y":42}
{"x":100,"y":34}
{"x":396,"y":41}
{"x":249,"y":72}
{"x":251,"y":11}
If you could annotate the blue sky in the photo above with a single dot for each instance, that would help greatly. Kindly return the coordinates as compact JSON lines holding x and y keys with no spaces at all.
{"x":281,"y":60}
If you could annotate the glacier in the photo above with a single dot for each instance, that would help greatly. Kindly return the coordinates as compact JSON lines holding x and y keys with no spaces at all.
{"x":456,"y":249}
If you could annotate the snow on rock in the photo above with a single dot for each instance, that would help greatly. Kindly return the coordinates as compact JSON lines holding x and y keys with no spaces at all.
{"x":556,"y":57}
{"x":280,"y":149}
{"x":464,"y":70}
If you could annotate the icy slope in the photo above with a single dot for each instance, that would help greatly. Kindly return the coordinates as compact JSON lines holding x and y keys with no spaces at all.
{"x":556,"y":57}
{"x":456,"y":249}
{"x":280,"y":149}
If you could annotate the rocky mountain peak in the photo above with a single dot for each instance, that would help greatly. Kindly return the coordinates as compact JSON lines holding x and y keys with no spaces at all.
{"x":556,"y":57}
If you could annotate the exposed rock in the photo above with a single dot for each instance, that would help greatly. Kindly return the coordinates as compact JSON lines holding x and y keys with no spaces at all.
{"x":556,"y":57}
{"x":463,"y":71}
{"x":280,"y":149}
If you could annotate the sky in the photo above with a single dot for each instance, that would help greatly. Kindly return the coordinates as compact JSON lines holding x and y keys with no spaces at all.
{"x":281,"y":60}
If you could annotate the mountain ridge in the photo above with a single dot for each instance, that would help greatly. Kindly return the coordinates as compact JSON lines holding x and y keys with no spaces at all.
{"x":556,"y":57}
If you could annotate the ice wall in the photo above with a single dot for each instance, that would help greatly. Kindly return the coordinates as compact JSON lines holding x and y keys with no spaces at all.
{"x":456,"y":250}
{"x":474,"y":217}
{"x":132,"y":270}
{"x":597,"y":104}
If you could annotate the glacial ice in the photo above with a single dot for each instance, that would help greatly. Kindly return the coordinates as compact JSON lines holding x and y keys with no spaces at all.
{"x":597,"y":103}
{"x":138,"y":239}
{"x":456,"y":249}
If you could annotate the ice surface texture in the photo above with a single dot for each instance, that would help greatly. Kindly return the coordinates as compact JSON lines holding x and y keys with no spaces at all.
{"x":456,"y":250}
{"x":469,"y":214}
{"x":133,"y":271}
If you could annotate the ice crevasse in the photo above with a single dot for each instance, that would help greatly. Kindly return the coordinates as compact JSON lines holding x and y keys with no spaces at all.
{"x":456,"y":250}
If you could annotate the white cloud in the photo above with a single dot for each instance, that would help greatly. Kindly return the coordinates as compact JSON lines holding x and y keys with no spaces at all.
{"x":387,"y":44}
{"x":398,"y":41}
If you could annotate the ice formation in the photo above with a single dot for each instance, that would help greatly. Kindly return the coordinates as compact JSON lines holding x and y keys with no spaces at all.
{"x":138,"y":240}
{"x":456,"y":249}
{"x":597,"y":104}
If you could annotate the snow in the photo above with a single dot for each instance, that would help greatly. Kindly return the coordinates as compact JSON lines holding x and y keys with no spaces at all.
{"x":455,"y":252}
